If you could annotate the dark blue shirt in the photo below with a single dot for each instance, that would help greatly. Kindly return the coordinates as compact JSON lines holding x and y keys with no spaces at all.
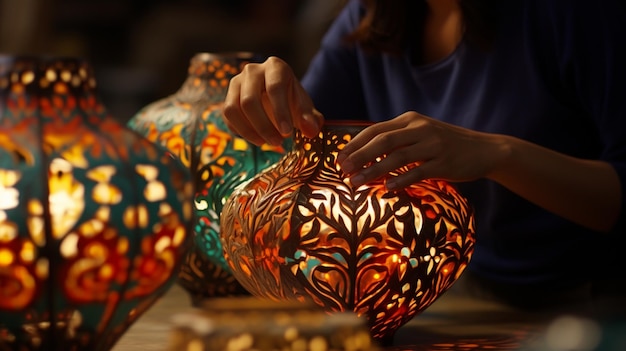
{"x":555,"y":76}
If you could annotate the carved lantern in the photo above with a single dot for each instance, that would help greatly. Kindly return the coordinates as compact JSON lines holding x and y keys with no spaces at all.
{"x":94,"y":219}
{"x":299,"y":230}
{"x":190,"y":124}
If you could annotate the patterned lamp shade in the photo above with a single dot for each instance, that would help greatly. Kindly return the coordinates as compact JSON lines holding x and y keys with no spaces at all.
{"x":300,"y":231}
{"x":190,"y":124}
{"x":94,"y":219}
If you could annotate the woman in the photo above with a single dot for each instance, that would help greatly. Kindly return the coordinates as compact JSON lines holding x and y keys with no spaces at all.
{"x":521,"y":102}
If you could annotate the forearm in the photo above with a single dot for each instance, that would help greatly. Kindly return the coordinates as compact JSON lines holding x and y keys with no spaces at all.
{"x":587,"y":192}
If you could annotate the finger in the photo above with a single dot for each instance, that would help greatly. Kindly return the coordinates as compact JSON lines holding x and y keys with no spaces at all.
{"x":308,"y":119}
{"x":362,"y":138}
{"x":404,"y":180}
{"x":371,"y":132}
{"x":234,"y":117}
{"x":373,"y":144}
{"x":246,"y":131}
{"x":278,"y":92}
{"x":395,"y":160}
{"x":253,"y":109}
{"x":427,"y":170}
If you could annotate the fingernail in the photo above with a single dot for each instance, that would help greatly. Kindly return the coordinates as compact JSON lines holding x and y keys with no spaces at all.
{"x":285,"y":128}
{"x":310,"y":119}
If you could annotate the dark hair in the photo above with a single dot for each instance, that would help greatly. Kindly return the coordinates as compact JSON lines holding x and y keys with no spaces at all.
{"x":392,"y":25}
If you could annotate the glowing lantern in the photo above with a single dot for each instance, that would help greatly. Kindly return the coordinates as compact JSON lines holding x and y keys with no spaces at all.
{"x":300,"y":231}
{"x":190,"y":124}
{"x":94,"y":220}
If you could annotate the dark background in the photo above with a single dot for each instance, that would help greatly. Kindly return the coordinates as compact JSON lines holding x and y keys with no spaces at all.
{"x":140,"y":49}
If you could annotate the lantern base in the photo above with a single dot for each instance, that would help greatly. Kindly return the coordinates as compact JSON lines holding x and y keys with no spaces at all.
{"x":203,"y":280}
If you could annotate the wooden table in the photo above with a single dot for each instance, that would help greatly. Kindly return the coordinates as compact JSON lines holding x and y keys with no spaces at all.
{"x":452,"y":323}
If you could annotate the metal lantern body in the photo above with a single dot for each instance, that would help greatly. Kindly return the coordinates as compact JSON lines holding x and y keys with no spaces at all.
{"x":299,"y":230}
{"x":190,"y":124}
{"x":94,"y":219}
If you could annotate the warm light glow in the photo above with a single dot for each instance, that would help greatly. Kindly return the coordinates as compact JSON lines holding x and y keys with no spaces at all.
{"x":8,"y":177}
{"x":190,"y":125}
{"x":66,"y":75}
{"x":155,"y":191}
{"x":35,"y":208}
{"x":66,"y":197}
{"x":162,"y":244}
{"x":41,"y":268}
{"x":136,"y":217}
{"x":35,"y":229}
{"x":148,"y":266}
{"x":76,"y":81}
{"x":363,"y":248}
{"x":28,"y":77}
{"x":9,"y":198}
{"x":97,"y":251}
{"x":106,"y":194}
{"x":148,"y":172}
{"x":6,"y":258}
{"x":106,"y":272}
{"x":27,"y":254}
{"x":165,"y":209}
{"x":240,"y":144}
{"x":8,"y":231}
{"x":179,"y":236}
{"x":65,"y":210}
{"x":122,"y":245}
{"x":69,"y":246}
{"x":70,"y":269}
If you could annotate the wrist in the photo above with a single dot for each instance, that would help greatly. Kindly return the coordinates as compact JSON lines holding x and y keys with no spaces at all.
{"x":503,"y":151}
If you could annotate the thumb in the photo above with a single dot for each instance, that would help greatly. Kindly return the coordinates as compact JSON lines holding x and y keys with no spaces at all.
{"x":312,"y":123}
{"x":306,"y":117}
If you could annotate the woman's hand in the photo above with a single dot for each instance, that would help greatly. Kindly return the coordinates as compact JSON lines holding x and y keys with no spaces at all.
{"x":266,"y":101}
{"x":443,"y":151}
{"x":587,"y":192}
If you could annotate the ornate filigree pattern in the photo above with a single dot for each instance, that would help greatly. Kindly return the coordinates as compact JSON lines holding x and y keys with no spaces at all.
{"x":190,"y":124}
{"x":299,"y":230}
{"x":94,"y":220}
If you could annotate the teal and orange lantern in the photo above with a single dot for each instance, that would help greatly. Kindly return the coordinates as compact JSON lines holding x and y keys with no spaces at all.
{"x":95,"y":220}
{"x":190,"y":124}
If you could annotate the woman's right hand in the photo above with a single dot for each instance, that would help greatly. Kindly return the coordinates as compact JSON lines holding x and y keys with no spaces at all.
{"x":265,"y":102}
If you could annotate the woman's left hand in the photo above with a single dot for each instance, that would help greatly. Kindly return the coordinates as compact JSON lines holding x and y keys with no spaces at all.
{"x":441,"y":150}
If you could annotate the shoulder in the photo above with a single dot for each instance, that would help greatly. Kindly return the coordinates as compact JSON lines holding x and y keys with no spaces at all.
{"x":353,"y":11}
{"x":345,"y":23}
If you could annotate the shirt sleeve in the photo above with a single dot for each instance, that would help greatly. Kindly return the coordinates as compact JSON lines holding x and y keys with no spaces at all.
{"x":332,"y":78}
